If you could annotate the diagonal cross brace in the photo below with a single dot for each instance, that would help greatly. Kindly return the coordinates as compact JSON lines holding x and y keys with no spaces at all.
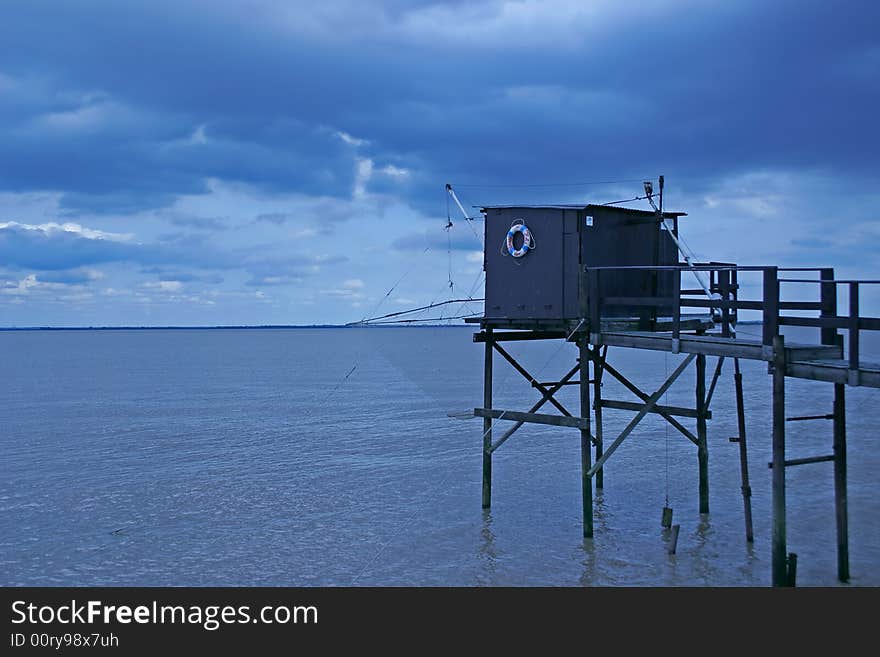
{"x":641,"y":395}
{"x":548,"y":395}
{"x":542,"y":389}
{"x":649,"y":404}
{"x":714,"y":381}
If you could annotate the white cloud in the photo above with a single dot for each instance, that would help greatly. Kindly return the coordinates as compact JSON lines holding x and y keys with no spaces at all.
{"x":348,"y":139}
{"x":164,"y":286}
{"x":198,"y":136}
{"x":69,"y":227}
{"x":363,"y":173}
{"x":353,"y":284}
{"x":393,"y":171}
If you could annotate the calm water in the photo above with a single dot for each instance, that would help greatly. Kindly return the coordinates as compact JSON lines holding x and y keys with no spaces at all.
{"x":241,"y":457}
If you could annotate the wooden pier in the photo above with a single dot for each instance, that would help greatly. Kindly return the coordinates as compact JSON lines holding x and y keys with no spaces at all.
{"x":830,"y":359}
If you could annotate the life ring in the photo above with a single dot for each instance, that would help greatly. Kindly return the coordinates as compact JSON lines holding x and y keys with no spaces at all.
{"x":527,"y":240}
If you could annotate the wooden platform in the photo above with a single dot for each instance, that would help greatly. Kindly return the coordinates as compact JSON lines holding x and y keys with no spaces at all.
{"x":565,"y":326}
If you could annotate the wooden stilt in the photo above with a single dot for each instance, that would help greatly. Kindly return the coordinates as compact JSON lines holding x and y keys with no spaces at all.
{"x":779,"y":560}
{"x":598,"y":368}
{"x":487,"y":422}
{"x":586,"y":446}
{"x":840,"y":481}
{"x":702,"y":442}
{"x":743,"y":451}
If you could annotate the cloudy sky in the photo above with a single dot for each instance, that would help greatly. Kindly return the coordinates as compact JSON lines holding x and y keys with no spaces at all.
{"x":270,"y":161}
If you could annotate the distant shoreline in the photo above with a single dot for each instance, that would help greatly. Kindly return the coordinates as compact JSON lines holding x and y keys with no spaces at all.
{"x":257,"y":327}
{"x":219,"y":328}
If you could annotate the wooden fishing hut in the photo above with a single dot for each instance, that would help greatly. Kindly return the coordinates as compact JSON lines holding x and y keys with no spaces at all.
{"x":601,"y":276}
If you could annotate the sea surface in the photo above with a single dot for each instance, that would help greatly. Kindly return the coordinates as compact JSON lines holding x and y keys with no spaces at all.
{"x":328,"y":457}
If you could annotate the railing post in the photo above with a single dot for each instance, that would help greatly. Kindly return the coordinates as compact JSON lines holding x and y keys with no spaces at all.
{"x":828,"y":301}
{"x":724,"y":289}
{"x":735,"y":295}
{"x":771,"y":308}
{"x":853,"y":330}
{"x":594,"y":305}
{"x":676,"y":311}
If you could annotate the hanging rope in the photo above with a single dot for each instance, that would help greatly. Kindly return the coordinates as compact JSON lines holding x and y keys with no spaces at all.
{"x":371,"y":320}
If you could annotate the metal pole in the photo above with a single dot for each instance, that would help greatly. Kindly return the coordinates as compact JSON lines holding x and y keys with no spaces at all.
{"x":743,"y":451}
{"x":702,"y":442}
{"x":487,"y":422}
{"x":597,"y":410}
{"x":840,"y":481}
{"x":780,"y":577}
{"x":586,"y":480}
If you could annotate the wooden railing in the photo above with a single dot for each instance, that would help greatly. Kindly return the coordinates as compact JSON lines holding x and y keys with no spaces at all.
{"x":724,"y":286}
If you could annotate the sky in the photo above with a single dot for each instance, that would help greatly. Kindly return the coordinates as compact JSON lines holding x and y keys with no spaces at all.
{"x":203,"y":162}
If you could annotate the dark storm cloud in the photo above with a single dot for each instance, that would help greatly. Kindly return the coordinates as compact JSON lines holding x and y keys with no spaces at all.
{"x":185,"y":93}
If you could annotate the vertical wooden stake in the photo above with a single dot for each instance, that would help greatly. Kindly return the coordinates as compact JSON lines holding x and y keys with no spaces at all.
{"x":673,"y":540}
{"x":743,"y":451}
{"x":586,"y":442}
{"x":597,"y":410}
{"x":487,"y":422}
{"x":840,"y":481}
{"x":702,"y":444}
{"x":780,"y":575}
{"x":792,"y":569}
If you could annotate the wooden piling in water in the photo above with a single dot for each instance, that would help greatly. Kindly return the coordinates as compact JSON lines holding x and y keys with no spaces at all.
{"x":586,"y":439}
{"x":779,"y":561}
{"x":840,"y":482}
{"x":702,"y":442}
{"x":743,"y":451}
{"x":792,"y":570}
{"x":598,"y":369}
{"x":673,"y":540}
{"x":487,"y":422}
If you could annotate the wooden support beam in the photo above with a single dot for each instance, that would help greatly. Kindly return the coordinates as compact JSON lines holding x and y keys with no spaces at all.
{"x":805,"y":460}
{"x":586,"y":446}
{"x":644,"y":397}
{"x":658,"y":409}
{"x":803,"y":418}
{"x":778,"y":549}
{"x":519,"y":368}
{"x":548,"y":384}
{"x":715,"y":378}
{"x":840,"y":482}
{"x":598,"y":369}
{"x":702,"y":434}
{"x":743,"y":451}
{"x":649,"y":404}
{"x":487,"y":422}
{"x":510,"y":336}
{"x":533,"y":418}
{"x":547,"y":395}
